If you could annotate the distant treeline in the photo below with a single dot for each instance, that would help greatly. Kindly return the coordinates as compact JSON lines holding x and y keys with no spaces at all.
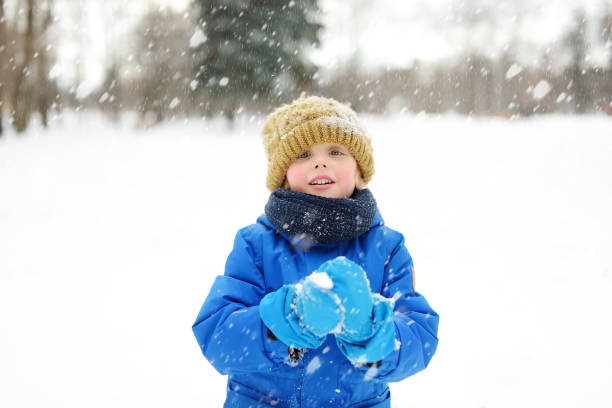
{"x":229,"y":58}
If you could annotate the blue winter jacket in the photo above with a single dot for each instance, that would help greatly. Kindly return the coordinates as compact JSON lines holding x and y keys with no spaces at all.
{"x":236,"y":342}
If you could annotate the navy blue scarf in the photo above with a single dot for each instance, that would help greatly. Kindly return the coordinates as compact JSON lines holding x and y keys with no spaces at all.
{"x":310,"y":219}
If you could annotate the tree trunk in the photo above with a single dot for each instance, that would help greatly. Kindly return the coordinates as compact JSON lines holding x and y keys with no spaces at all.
{"x":3,"y":59}
{"x":21,"y":95}
{"x":44,"y":84}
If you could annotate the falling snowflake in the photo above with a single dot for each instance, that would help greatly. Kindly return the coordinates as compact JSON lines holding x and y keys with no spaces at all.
{"x":55,"y":72}
{"x":84,"y":89}
{"x":371,"y":373}
{"x":513,"y":71}
{"x":197,"y":38}
{"x":561,"y":97}
{"x":313,"y":366}
{"x":541,"y":89}
{"x":174,"y":103}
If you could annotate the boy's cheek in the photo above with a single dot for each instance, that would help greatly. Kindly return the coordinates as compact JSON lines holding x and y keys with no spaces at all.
{"x":348,"y":175}
{"x":295,"y":177}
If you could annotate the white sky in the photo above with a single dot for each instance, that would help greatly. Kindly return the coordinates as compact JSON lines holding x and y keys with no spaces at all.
{"x":391,"y":32}
{"x":374,"y":32}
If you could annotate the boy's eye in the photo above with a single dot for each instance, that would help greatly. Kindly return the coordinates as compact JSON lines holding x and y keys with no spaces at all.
{"x":303,"y":155}
{"x":335,"y":152}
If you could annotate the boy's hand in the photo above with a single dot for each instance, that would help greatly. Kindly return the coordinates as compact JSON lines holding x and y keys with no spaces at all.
{"x":351,"y":285}
{"x":367,"y":334}
{"x":335,"y":298}
{"x":301,"y":315}
{"x":318,"y":307}
{"x":278,"y":312}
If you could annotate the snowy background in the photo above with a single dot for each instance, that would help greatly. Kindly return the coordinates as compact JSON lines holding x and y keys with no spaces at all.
{"x":110,"y":238}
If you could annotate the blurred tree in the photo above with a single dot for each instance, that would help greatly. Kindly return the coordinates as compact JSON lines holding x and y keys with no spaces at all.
{"x":160,"y":53}
{"x":577,"y":43}
{"x":118,"y":90}
{"x":606,"y":37}
{"x":4,"y":50}
{"x":110,"y":98}
{"x":254,"y":50}
{"x":22,"y":90}
{"x":24,"y":62}
{"x":44,"y":88}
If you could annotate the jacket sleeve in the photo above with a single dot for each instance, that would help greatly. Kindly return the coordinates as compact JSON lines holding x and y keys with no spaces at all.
{"x":228,"y":328}
{"x":416,"y":323}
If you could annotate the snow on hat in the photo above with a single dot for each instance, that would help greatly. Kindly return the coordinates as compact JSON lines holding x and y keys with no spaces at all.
{"x":292,"y":129}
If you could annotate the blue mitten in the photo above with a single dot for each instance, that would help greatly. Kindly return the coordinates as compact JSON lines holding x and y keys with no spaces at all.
{"x":367,"y":333}
{"x":317,"y":306}
{"x":278,"y":312}
{"x":382,"y":339}
{"x":302,"y":315}
{"x":351,"y":285}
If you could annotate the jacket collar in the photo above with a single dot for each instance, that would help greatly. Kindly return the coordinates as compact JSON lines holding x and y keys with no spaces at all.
{"x":263,"y":220}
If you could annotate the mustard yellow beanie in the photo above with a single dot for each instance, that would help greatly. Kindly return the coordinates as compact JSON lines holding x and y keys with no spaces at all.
{"x":292,"y":129}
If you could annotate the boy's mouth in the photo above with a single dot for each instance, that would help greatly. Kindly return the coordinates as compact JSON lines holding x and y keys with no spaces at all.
{"x":321,"y":181}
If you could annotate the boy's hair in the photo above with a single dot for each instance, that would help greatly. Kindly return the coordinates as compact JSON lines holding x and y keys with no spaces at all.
{"x":292,"y":129}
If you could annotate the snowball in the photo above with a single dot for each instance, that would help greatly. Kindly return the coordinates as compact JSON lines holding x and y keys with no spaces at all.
{"x":224,"y":81}
{"x":541,"y":89}
{"x":193,"y":84}
{"x":321,"y":280}
{"x":197,"y":38}
{"x":513,"y":71}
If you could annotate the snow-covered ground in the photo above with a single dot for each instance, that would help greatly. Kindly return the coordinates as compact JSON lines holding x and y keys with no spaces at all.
{"x":110,"y":239}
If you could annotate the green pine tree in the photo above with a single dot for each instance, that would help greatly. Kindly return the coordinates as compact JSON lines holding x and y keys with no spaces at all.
{"x":254,"y":50}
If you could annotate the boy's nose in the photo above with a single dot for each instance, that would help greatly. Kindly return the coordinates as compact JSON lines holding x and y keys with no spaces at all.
{"x":319,"y":160}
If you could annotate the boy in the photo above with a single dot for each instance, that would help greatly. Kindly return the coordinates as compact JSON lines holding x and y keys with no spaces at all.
{"x":317,"y":306}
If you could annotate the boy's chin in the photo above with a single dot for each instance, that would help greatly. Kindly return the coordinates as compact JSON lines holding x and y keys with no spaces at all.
{"x":331,"y":193}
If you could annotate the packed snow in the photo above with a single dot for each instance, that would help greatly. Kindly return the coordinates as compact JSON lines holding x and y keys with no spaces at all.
{"x":321,"y":280}
{"x":110,"y":238}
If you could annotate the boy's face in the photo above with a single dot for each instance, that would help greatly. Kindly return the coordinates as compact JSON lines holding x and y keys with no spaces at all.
{"x":326,"y":170}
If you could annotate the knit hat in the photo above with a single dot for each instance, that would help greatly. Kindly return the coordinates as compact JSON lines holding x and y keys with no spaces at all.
{"x":292,"y":129}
